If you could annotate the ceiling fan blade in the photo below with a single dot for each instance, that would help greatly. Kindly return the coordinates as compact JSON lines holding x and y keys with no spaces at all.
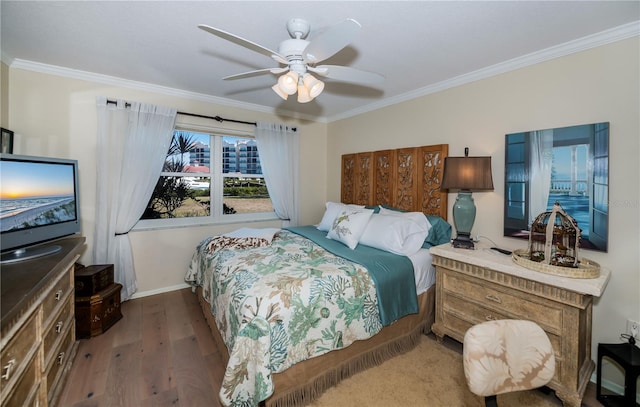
{"x":331,"y":41}
{"x":255,"y":73}
{"x":347,"y":74}
{"x":243,"y":42}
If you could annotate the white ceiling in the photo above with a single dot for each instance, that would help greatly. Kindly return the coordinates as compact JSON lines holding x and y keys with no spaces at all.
{"x":419,"y":46}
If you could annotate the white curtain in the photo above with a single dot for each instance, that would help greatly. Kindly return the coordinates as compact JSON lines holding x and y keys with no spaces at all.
{"x":278,"y":146}
{"x":133,"y":140}
{"x":540,"y":175}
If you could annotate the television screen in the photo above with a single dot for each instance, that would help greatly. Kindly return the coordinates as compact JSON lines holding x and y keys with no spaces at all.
{"x":38,"y":203}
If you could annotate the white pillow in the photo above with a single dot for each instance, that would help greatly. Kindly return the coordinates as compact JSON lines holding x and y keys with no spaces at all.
{"x":262,"y":233}
{"x":349,"y":225}
{"x":333,"y":208}
{"x":418,"y":217}
{"x":396,"y":234}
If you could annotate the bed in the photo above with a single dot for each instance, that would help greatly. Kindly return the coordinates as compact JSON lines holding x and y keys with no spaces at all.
{"x":294,"y":312}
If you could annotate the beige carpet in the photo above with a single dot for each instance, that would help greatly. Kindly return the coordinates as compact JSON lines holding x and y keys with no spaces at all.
{"x":430,"y":375}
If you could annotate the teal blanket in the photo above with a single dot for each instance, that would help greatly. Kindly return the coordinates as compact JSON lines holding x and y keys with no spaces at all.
{"x":392,"y":274}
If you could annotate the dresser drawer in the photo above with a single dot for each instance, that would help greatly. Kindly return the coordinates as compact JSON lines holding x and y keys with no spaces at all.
{"x":25,"y":391}
{"x":18,"y":352}
{"x":511,"y":304}
{"x":59,"y":362}
{"x":53,"y":300}
{"x":60,"y":325}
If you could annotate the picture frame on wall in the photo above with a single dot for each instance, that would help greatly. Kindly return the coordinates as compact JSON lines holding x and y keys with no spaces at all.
{"x":7,"y":141}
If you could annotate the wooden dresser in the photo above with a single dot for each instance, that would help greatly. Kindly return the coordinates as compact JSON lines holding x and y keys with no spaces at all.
{"x":473,"y":286}
{"x":37,"y":342}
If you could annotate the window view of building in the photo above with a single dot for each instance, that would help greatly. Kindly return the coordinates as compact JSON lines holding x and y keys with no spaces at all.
{"x":208,"y":175}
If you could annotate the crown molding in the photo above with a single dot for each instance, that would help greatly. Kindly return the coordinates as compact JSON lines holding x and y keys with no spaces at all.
{"x":165,"y":90}
{"x":620,"y":33}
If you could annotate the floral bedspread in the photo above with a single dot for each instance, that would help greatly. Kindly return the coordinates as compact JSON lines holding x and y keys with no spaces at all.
{"x":278,"y":304}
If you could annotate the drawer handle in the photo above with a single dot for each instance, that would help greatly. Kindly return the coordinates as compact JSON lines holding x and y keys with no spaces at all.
{"x":59,"y":327}
{"x":58,"y":295}
{"x":7,"y":369}
{"x":60,"y":358}
{"x":490,"y":318}
{"x":493,"y":298}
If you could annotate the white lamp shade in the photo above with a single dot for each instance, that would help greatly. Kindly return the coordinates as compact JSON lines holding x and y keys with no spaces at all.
{"x":303,"y":94}
{"x":279,"y":92}
{"x":288,"y":82}
{"x":314,"y":85}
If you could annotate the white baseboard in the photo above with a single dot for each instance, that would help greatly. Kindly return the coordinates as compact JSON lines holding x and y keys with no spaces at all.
{"x":141,"y":294}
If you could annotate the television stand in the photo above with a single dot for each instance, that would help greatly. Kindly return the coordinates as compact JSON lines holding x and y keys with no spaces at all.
{"x":37,"y":326}
{"x":29,"y":253}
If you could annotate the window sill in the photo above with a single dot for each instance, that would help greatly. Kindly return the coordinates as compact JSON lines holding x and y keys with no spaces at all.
{"x":159,"y":224}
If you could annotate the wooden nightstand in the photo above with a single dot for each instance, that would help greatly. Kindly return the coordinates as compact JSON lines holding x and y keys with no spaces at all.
{"x":473,"y":286}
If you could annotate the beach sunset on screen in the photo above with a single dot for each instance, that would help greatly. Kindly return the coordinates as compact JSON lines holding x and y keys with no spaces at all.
{"x":21,"y":180}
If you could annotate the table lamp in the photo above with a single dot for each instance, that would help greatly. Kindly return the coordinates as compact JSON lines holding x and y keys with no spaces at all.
{"x":466,"y":174}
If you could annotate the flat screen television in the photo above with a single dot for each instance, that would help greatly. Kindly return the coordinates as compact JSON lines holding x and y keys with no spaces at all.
{"x":39,"y":203}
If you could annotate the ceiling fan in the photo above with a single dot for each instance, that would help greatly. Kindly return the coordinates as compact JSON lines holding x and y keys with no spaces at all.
{"x":301,"y":56}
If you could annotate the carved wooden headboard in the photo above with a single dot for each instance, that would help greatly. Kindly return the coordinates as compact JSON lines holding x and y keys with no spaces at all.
{"x":404,"y":178}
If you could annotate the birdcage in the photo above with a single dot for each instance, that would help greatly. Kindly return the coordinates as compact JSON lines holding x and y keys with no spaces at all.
{"x":555,"y":238}
{"x":554,"y":241}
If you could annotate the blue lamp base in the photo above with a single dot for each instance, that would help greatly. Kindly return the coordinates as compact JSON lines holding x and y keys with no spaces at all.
{"x":464,"y":214}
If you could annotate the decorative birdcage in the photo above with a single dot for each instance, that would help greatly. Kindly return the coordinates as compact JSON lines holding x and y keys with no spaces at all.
{"x":555,"y":238}
{"x":554,"y":241}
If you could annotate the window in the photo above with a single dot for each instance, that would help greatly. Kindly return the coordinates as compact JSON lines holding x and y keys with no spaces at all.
{"x":209,"y":178}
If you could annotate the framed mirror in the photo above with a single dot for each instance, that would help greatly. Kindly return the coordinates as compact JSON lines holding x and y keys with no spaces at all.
{"x":569,"y":165}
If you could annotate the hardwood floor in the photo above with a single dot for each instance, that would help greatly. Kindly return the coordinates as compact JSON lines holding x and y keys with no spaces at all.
{"x":159,"y":354}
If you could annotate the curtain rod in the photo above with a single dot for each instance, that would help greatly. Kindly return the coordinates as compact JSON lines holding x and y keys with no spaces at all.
{"x":216,"y":118}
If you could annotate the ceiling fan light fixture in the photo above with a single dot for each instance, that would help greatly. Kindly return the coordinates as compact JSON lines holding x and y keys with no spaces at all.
{"x":279,"y":92}
{"x":314,"y":86}
{"x":303,"y":94}
{"x":288,"y":82}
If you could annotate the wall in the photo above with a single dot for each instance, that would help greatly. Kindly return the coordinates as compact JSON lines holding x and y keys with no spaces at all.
{"x":56,"y":116}
{"x":597,"y":85}
{"x":4,"y":96}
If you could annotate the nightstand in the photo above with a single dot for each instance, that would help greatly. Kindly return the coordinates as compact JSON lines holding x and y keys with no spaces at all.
{"x":627,"y":356}
{"x":473,"y":286}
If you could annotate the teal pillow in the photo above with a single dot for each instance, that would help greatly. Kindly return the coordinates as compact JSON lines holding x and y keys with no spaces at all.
{"x":439,"y":233}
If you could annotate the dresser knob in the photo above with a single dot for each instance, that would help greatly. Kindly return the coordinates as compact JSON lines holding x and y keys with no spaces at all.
{"x":490,"y":318}
{"x":59,"y":327}
{"x":493,"y":298}
{"x":58,"y":295}
{"x":7,"y":369}
{"x":60,"y":358}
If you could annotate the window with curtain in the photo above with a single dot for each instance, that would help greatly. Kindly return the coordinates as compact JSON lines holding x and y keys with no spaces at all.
{"x":209,"y":177}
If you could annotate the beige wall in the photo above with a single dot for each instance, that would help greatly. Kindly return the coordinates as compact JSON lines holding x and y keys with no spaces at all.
{"x":4,"y":96}
{"x":56,"y":116}
{"x":597,"y":85}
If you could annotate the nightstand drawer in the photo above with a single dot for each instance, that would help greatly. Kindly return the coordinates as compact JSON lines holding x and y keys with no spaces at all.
{"x":514,"y":304}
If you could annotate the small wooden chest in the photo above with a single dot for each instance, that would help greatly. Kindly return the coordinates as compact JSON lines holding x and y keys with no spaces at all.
{"x":92,"y":279}
{"x":97,"y":313}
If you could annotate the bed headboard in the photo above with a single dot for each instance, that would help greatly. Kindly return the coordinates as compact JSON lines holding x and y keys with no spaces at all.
{"x":404,"y":178}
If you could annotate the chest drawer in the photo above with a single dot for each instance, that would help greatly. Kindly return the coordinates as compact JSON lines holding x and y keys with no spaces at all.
{"x":18,"y":352}
{"x":54,"y":299}
{"x":507,"y":303}
{"x":59,"y":326}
